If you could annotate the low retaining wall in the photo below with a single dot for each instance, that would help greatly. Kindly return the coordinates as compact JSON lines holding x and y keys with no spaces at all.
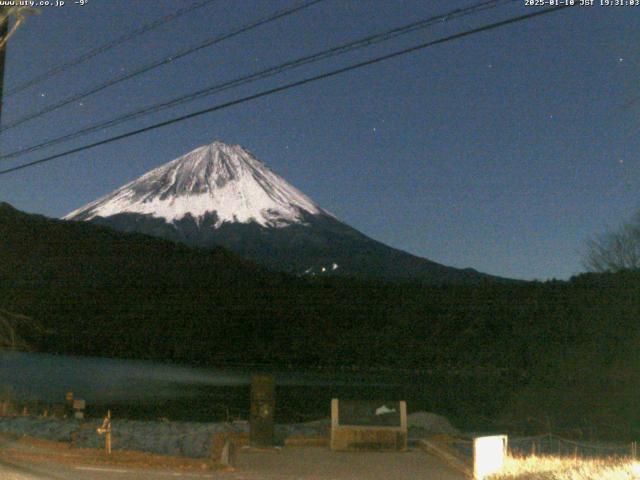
{"x":183,"y":439}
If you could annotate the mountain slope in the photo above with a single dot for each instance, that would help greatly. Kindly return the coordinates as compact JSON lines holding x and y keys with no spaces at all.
{"x":222,"y":195}
{"x":220,"y":178}
{"x":98,"y":291}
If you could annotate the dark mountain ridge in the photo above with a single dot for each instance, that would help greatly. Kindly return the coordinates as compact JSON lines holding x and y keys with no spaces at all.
{"x":536,"y":354}
{"x":221,"y":195}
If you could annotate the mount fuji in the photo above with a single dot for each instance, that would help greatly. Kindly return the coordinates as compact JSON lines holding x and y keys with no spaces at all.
{"x":221,"y":194}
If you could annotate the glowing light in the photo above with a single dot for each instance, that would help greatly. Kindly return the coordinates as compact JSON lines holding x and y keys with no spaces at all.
{"x":488,"y":455}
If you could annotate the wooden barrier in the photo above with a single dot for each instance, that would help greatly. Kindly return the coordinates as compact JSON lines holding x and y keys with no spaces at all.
{"x":303,"y":441}
{"x":368,"y":426}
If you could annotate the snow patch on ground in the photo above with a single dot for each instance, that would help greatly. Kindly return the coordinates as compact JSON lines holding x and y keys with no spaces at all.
{"x":430,"y":423}
{"x":185,"y":439}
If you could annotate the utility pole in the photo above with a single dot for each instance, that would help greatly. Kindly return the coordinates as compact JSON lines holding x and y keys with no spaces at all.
{"x":4,"y":32}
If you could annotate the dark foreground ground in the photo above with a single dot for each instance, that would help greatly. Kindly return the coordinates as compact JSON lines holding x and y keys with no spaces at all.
{"x":24,"y":460}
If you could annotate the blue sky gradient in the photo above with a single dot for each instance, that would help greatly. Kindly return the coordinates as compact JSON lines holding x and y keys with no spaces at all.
{"x":503,"y":151}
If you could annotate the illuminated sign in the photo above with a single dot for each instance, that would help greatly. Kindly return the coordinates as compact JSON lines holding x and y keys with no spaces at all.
{"x":488,"y":455}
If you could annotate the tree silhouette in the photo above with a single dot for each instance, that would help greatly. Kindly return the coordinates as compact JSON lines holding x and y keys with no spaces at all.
{"x":616,"y":250}
{"x":11,"y":325}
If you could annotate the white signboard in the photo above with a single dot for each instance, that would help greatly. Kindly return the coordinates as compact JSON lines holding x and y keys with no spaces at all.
{"x":488,"y":455}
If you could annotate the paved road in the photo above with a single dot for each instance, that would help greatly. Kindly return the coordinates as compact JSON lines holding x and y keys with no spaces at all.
{"x":308,"y":463}
{"x":317,"y":463}
{"x":13,"y":472}
{"x":50,"y":471}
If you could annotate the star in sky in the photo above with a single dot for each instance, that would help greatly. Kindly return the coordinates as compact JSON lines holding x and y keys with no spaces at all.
{"x":402,"y":90}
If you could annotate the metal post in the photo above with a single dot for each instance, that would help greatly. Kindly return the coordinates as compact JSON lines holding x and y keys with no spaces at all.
{"x":68,"y":409}
{"x":108,"y":434}
{"x":105,"y":429}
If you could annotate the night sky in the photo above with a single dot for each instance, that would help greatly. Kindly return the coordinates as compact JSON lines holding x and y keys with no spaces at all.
{"x":503,"y":151}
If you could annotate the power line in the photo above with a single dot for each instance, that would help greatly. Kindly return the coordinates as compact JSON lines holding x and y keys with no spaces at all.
{"x":265,"y":73}
{"x":158,"y":63}
{"x":107,"y":46}
{"x":291,"y":85}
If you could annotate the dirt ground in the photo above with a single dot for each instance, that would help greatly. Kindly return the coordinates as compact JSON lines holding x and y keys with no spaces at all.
{"x":56,"y":460}
{"x":318,"y":463}
{"x":33,"y":450}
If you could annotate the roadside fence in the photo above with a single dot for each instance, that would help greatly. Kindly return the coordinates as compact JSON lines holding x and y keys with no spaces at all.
{"x":547,"y":445}
{"x":550,"y":444}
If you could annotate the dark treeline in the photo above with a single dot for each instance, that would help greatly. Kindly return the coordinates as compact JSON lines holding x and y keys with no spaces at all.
{"x":556,"y":355}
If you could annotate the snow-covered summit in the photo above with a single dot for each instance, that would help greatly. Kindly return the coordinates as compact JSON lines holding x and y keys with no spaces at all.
{"x":219,"y":178}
